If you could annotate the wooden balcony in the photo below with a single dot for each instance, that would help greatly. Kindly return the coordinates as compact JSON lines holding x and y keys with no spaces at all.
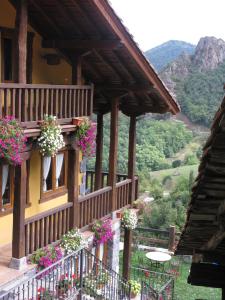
{"x":48,"y":227}
{"x":30,"y":102}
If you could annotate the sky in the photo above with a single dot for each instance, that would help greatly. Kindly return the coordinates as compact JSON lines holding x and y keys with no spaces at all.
{"x":153,"y":22}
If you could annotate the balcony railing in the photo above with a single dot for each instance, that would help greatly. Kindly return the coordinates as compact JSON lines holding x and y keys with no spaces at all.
{"x":94,"y":206}
{"x":30,"y":102}
{"x":90,"y":179}
{"x":49,"y":226}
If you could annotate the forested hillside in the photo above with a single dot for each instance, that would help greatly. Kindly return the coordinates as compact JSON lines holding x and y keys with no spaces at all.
{"x":197,"y":80}
{"x":156,"y":141}
{"x":164,"y":54}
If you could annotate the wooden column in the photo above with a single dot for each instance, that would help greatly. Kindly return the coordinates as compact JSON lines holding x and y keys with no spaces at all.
{"x":21,"y":41}
{"x":131,"y":175}
{"x":223,"y":293}
{"x":113,"y":150}
{"x":172,"y":231}
{"x":99,"y":152}
{"x":73,"y":187}
{"x":18,"y":242}
{"x":77,"y":71}
{"x":132,"y":157}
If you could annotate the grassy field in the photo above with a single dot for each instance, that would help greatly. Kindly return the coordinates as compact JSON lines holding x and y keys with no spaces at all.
{"x":183,"y":290}
{"x":174,"y":173}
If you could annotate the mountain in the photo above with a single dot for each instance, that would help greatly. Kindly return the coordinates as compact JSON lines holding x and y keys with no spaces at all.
{"x":162,"y":55}
{"x":197,"y":80}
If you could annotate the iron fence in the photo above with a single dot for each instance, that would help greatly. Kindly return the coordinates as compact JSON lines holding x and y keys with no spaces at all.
{"x":79,"y":275}
{"x":155,"y":285}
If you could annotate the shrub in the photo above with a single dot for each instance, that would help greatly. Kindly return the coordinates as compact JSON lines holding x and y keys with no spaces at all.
{"x":176,"y":163}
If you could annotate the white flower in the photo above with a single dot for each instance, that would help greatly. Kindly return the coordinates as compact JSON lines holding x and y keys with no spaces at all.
{"x":129,"y":219}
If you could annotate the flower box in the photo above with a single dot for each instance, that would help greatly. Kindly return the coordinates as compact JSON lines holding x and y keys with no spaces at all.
{"x":77,"y":121}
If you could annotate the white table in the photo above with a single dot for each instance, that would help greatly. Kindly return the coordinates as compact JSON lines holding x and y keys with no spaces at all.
{"x":158,"y":256}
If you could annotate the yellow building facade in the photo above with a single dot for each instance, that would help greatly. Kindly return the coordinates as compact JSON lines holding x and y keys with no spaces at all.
{"x":42,"y":73}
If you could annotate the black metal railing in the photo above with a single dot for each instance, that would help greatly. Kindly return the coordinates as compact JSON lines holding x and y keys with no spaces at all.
{"x":155,"y":285}
{"x":75,"y":276}
{"x":90,"y":179}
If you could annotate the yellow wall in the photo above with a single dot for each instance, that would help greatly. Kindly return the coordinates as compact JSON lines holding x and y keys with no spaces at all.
{"x":42,"y":73}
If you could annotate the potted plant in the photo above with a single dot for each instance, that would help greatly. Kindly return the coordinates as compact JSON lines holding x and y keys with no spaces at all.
{"x":12,"y":140}
{"x":45,"y":294}
{"x":85,"y":136}
{"x":45,"y":257}
{"x":103,"y":231}
{"x":51,"y":139}
{"x":129,"y":219}
{"x":66,"y":283}
{"x":135,"y":288}
{"x":72,"y":241}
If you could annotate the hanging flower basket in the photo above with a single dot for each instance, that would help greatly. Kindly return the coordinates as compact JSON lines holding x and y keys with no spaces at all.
{"x":103,"y":231}
{"x":51,"y":139}
{"x":129,"y":219}
{"x":12,"y":140}
{"x":85,"y":135}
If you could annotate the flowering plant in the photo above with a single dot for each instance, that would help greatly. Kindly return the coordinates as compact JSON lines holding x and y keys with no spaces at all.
{"x":66,"y":282}
{"x":135,"y":287}
{"x":129,"y":219}
{"x":45,"y":294}
{"x":103,"y":231}
{"x":45,"y":257}
{"x":51,"y":139}
{"x":12,"y":140}
{"x":72,"y":241}
{"x":85,"y":135}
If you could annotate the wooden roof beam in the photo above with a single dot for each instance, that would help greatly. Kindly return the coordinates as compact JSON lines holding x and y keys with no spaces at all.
{"x":215,"y":240}
{"x":66,"y":13}
{"x":46,"y":17}
{"x":133,"y":88}
{"x":109,"y":65}
{"x":81,"y":44}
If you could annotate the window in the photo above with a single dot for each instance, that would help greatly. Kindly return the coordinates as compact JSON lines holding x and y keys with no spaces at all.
{"x":6,"y":188}
{"x":7,"y":44}
{"x":7,"y":177}
{"x":54,"y":179}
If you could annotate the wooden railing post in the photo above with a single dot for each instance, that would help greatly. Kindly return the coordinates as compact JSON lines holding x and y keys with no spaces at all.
{"x":131,"y":175}
{"x":20,"y":193}
{"x":73,"y":187}
{"x":113,"y":150}
{"x":99,"y":150}
{"x":132,"y":157}
{"x":172,"y":232}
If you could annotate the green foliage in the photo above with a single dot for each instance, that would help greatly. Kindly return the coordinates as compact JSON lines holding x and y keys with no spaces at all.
{"x":176,"y":163}
{"x":156,"y":141}
{"x":201,"y":93}
{"x":190,"y":159}
{"x":170,"y":210}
